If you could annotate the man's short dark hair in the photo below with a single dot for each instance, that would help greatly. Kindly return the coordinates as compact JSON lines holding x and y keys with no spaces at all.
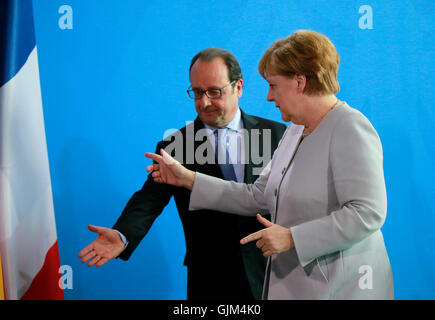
{"x":234,"y":70}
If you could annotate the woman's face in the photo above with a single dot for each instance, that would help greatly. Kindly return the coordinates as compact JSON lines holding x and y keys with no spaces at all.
{"x":286,"y":93}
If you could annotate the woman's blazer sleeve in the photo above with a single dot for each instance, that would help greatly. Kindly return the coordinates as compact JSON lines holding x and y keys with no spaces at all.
{"x":356,"y":163}
{"x":228,"y":196}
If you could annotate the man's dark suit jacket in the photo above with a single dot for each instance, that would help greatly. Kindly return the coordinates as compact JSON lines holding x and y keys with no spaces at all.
{"x":218,"y":266}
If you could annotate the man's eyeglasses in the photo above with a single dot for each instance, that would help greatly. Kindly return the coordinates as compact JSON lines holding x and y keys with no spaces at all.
{"x":213,"y":93}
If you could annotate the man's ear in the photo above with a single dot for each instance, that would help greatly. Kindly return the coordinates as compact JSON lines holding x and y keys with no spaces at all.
{"x":239,"y":87}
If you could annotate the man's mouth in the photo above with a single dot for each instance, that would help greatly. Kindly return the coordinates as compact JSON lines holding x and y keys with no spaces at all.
{"x":209,"y":110}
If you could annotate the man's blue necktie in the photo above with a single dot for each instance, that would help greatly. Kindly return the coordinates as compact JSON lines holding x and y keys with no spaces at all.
{"x":227,"y":168}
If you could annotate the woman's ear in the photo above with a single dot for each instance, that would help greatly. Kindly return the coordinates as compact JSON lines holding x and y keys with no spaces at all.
{"x":302,"y":82}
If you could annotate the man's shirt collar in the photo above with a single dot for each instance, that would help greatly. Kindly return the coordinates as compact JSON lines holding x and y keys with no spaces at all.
{"x":235,"y":124}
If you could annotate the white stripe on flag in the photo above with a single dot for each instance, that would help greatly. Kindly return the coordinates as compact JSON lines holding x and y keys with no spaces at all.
{"x":27,"y":226}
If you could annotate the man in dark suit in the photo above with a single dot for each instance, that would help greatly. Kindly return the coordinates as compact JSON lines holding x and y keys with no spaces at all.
{"x":218,"y":266}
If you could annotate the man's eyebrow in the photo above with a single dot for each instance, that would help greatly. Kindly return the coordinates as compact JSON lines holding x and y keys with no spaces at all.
{"x":209,"y":88}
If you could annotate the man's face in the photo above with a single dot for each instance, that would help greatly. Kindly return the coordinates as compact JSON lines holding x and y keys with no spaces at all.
{"x":214,"y":75}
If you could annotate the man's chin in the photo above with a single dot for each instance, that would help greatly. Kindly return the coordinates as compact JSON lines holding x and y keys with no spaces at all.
{"x":211,"y":120}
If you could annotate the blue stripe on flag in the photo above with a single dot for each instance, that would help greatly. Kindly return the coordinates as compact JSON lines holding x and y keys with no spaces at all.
{"x":17,"y":36}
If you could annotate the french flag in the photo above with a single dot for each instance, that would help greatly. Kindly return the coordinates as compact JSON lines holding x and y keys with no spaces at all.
{"x":28,"y":240}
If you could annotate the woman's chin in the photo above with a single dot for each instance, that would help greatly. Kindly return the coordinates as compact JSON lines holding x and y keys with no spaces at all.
{"x":285,"y":118}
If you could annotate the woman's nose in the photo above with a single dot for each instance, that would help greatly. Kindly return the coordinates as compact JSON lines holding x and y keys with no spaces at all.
{"x":269,"y":96}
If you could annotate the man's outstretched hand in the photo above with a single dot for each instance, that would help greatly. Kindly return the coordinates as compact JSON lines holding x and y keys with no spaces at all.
{"x":107,"y":246}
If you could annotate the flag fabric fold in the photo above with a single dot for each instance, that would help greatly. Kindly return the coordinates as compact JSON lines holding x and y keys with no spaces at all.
{"x":28,"y":240}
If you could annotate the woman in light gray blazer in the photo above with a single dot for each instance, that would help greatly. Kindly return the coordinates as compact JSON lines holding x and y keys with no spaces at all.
{"x":324,"y":186}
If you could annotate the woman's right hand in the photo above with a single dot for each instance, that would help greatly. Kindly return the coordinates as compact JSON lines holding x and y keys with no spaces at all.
{"x":170,"y":171}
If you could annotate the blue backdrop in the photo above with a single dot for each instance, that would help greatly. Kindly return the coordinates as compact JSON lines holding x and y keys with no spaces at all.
{"x":114,"y":76}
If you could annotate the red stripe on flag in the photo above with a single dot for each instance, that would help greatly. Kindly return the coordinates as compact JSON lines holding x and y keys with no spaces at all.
{"x":45,"y":286}
{"x":2,"y":280}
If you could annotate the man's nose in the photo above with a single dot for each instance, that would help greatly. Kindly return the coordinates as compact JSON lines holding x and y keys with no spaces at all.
{"x":204,"y":101}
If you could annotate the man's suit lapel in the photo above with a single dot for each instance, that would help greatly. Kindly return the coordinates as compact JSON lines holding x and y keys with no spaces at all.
{"x":251,"y":126}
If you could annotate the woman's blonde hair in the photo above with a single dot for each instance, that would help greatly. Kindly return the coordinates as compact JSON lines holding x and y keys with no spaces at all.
{"x":307,"y":53}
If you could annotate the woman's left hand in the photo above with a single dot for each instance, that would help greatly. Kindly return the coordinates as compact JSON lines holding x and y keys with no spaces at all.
{"x":273,"y":239}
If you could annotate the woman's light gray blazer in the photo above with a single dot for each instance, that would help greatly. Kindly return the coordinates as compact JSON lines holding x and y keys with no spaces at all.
{"x":330,"y":191}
